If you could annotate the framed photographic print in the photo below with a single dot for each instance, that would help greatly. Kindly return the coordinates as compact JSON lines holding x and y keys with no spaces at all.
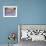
{"x":9,"y":11}
{"x":33,"y":32}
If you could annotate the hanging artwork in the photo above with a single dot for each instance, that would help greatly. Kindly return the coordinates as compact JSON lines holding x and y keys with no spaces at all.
{"x":9,"y":11}
{"x":11,"y":37}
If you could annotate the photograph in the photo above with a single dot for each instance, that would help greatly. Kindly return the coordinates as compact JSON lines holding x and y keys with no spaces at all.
{"x":30,"y":33}
{"x":9,"y":11}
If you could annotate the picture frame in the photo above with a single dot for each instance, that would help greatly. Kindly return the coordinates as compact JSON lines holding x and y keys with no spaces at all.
{"x":39,"y":28}
{"x":9,"y":11}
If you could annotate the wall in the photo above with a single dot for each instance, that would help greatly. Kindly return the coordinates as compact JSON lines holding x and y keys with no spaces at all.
{"x":7,"y":25}
{"x":29,"y":12}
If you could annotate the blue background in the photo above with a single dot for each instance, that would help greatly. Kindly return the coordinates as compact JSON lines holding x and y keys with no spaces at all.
{"x":28,"y":12}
